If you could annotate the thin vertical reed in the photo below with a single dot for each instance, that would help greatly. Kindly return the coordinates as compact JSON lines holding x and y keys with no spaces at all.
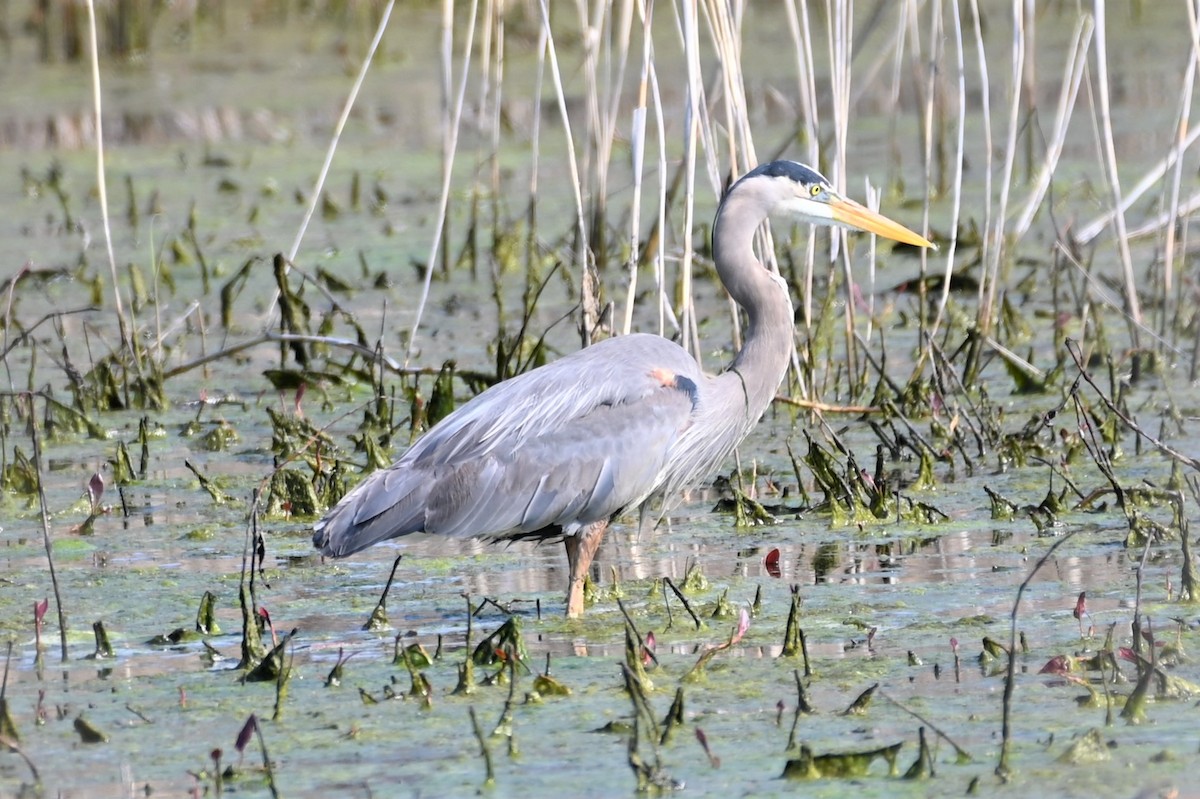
{"x":318,"y":187}
{"x":1185,"y":114}
{"x":666,"y":311}
{"x":102,"y":185}
{"x":1109,"y":155}
{"x":931,"y":141}
{"x":450,"y":149}
{"x":840,"y":31}
{"x":637,"y":146}
{"x":692,"y":116}
{"x":995,"y":233}
{"x":535,"y":151}
{"x":960,"y":64}
{"x":1076,"y":66}
{"x":805,"y":77}
{"x":587,"y":281}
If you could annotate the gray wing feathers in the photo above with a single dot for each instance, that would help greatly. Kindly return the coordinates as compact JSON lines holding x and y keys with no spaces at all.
{"x":568,"y":444}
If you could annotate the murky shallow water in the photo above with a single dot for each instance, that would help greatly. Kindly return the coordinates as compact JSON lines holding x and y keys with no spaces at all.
{"x":165,"y":708}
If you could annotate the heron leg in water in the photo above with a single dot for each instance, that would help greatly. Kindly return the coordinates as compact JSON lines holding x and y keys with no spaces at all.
{"x":581,"y":548}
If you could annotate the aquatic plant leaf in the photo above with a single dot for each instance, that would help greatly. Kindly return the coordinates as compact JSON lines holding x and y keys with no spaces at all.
{"x":922,"y":767}
{"x":507,"y":637}
{"x":1090,"y":748}
{"x":103,"y":646}
{"x":546,"y":685}
{"x":441,"y":401}
{"x":771,"y":562}
{"x":291,"y":494}
{"x":1059,"y":664}
{"x":723,"y":609}
{"x":673,"y":719}
{"x":177,"y":636}
{"x":19,"y":476}
{"x":8,"y":727}
{"x":206,"y":615}
{"x":95,"y":489}
{"x":694,"y":581}
{"x":271,"y":667}
{"x":417,"y":656}
{"x":791,"y":633}
{"x":218,"y":496}
{"x":89,"y":733}
{"x":466,"y":678}
{"x":848,"y":765}
{"x":859,"y":706}
{"x":248,"y":729}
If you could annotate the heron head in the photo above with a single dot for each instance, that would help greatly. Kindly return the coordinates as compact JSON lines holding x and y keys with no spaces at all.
{"x":802,"y":193}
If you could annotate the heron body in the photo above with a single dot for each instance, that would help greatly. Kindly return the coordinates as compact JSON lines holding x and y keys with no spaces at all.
{"x":561,"y":451}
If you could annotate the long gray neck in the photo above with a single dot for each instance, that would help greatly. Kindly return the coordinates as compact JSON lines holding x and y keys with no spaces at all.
{"x":767,"y":347}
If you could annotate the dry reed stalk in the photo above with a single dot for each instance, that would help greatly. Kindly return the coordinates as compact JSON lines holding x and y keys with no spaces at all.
{"x":535,"y":135}
{"x":665,"y":310}
{"x":594,"y":200}
{"x":928,"y":122}
{"x":990,"y":285}
{"x":318,"y":187}
{"x":449,"y":150}
{"x":587,"y":276}
{"x":493,"y":80}
{"x":686,"y":18}
{"x":959,"y":160}
{"x":1185,"y":114}
{"x":1088,"y":232}
{"x":986,"y":109}
{"x":1072,"y":77}
{"x":637,"y":146}
{"x":1181,"y":134}
{"x":44,"y":507}
{"x":1170,"y":215}
{"x":801,"y":33}
{"x":840,"y":33}
{"x":102,"y":186}
{"x":1108,"y":154}
{"x":724,"y":25}
{"x":608,"y":110}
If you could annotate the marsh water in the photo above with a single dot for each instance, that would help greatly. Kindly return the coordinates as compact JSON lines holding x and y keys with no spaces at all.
{"x":215,"y":134}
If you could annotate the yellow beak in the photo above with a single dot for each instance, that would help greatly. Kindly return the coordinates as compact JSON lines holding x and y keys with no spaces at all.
{"x":856,"y":215}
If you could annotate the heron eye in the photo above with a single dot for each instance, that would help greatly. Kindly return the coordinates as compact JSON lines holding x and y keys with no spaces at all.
{"x":815,"y":190}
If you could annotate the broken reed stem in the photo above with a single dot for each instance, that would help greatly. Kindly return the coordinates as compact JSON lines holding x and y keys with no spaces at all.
{"x":490,"y":779}
{"x":266,"y":759}
{"x":13,"y":746}
{"x":683,"y":599}
{"x":381,"y":605}
{"x":1072,"y":78}
{"x":253,"y":650}
{"x":1003,"y":769}
{"x":637,"y":633}
{"x":1175,"y":455}
{"x":35,"y":432}
{"x":963,"y":754}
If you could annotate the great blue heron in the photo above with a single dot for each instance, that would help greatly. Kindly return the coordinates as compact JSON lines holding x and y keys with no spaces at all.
{"x":561,"y":451}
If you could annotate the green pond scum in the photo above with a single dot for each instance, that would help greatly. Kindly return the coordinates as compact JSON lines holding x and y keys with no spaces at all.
{"x":955,"y":558}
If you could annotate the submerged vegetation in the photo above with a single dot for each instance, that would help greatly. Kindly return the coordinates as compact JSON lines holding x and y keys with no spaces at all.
{"x":993,"y":444}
